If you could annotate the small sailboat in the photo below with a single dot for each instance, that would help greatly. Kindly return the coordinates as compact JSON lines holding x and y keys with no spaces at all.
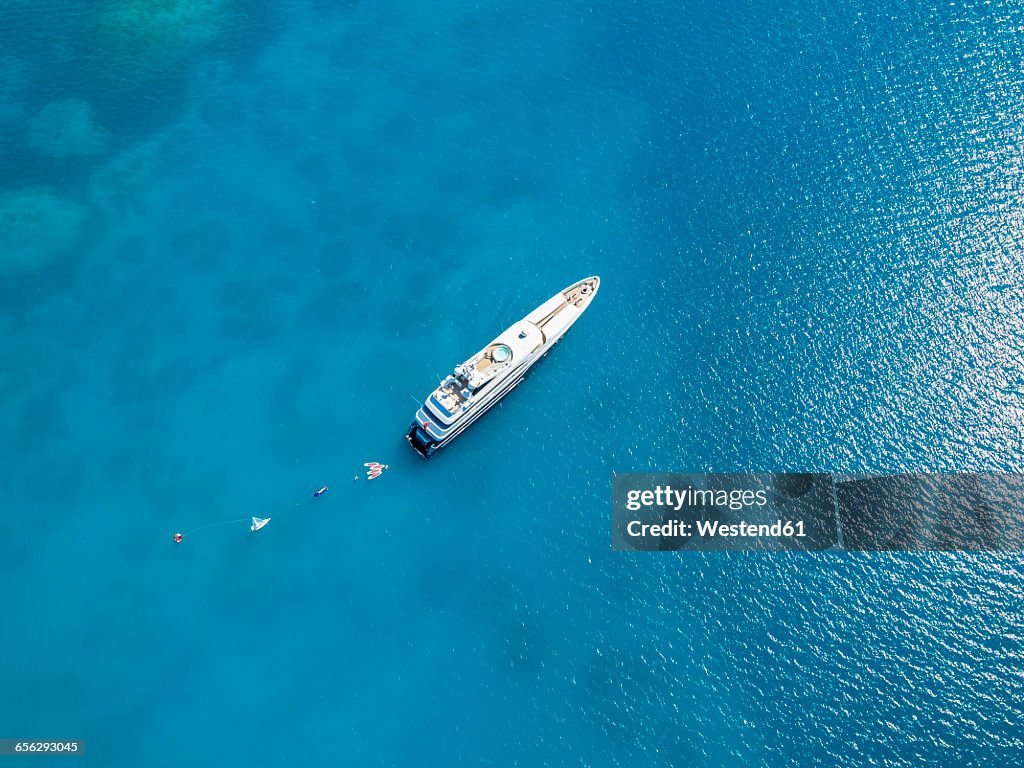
{"x":258,"y":523}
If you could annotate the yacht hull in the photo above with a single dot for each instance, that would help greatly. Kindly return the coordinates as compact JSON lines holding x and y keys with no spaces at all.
{"x":451,"y":409}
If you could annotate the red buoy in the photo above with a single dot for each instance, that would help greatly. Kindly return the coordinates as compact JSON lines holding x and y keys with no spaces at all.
{"x":177,"y":538}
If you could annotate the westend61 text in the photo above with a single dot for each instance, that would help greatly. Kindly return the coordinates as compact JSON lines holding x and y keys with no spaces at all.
{"x":780,"y":529}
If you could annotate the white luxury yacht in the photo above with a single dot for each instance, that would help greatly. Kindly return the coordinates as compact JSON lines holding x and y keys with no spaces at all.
{"x":480,"y":382}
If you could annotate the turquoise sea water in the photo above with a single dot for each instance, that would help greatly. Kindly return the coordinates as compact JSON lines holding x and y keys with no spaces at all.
{"x":237,"y":238}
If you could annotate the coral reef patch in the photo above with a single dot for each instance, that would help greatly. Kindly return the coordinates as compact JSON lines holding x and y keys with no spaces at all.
{"x":137,"y":37}
{"x":64,"y":129}
{"x":36,"y":226}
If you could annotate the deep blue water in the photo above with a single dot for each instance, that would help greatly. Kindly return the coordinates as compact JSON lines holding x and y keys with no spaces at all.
{"x":236,"y":240}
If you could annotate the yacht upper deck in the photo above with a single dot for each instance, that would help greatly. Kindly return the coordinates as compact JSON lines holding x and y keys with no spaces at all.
{"x":513,"y":346}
